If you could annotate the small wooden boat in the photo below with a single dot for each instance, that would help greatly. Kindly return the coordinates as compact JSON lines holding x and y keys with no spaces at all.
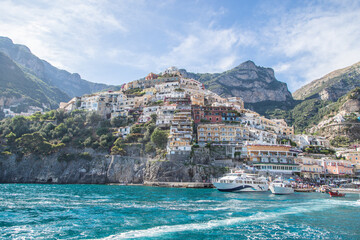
{"x":336,"y":194}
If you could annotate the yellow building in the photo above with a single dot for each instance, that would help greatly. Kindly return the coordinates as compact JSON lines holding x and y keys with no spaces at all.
{"x":222,"y":133}
{"x":197,"y":99}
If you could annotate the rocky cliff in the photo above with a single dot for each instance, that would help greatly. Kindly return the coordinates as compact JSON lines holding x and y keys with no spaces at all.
{"x":71,"y":84}
{"x":248,"y":81}
{"x":332,"y":86}
{"x":100,"y":168}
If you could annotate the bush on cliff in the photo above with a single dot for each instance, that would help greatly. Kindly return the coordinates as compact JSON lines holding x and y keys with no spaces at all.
{"x":115,"y":150}
{"x":160,"y":138}
{"x":48,"y":132}
{"x":35,"y":143}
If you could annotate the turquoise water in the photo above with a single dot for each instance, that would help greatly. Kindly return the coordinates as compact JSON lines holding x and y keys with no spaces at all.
{"x":29,"y":211}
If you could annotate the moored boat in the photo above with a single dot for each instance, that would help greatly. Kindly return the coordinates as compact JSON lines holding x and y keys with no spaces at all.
{"x":325,"y":189}
{"x":281,"y":187}
{"x":240,"y":181}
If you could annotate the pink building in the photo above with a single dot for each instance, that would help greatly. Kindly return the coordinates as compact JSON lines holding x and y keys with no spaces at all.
{"x":337,"y":167}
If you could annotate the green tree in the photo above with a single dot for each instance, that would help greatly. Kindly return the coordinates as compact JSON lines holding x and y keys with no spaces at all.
{"x":150,"y":148}
{"x":115,"y":150}
{"x":116,"y":122}
{"x":159,"y":138}
{"x":153,"y":117}
{"x":19,"y":125}
{"x":60,"y":130}
{"x":93,"y":118}
{"x":34,"y":143}
{"x":10,"y":138}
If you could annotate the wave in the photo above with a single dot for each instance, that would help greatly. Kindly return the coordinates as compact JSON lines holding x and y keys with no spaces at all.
{"x":311,"y":206}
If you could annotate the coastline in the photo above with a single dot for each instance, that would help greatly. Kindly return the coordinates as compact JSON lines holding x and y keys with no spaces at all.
{"x":179,"y":184}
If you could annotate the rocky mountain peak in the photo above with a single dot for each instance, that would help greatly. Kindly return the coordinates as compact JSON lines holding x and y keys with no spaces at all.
{"x":6,"y":41}
{"x":247,"y":65}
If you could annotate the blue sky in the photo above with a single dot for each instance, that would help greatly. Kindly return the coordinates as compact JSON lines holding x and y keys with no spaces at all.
{"x":118,"y":41}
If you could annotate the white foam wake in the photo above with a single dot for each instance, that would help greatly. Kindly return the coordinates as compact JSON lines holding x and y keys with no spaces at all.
{"x":166,"y":229}
{"x":161,"y":230}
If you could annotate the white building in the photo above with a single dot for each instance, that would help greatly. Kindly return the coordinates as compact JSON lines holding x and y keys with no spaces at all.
{"x":305,"y":140}
{"x":165,"y":114}
{"x":171,"y":70}
{"x":147,"y":112}
{"x":124,"y":131}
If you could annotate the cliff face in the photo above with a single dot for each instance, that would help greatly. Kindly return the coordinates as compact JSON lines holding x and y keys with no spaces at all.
{"x":248,"y":81}
{"x":332,"y":86}
{"x":71,"y":84}
{"x":101,"y":169}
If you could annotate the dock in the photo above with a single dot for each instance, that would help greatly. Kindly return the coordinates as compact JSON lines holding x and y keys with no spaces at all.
{"x":304,"y":190}
{"x":179,"y":184}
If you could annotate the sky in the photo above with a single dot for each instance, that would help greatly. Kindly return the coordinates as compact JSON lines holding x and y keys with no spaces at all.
{"x":114,"y":42}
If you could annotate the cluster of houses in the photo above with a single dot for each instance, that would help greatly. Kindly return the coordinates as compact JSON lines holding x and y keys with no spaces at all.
{"x":196,"y":116}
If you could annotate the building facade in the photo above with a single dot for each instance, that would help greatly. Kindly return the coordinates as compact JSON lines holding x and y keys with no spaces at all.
{"x":277,"y":159}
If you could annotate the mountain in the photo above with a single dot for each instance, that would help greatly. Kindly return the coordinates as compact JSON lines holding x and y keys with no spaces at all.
{"x":340,"y":122}
{"x":332,"y":86}
{"x":71,"y":84}
{"x":250,"y":82}
{"x":24,"y":89}
{"x":322,"y":99}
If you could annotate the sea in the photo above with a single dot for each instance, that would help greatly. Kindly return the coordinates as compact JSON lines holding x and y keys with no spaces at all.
{"x":36,"y":211}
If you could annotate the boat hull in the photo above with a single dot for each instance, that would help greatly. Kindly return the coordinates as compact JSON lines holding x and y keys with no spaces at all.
{"x":233,"y":187}
{"x":336,"y":194}
{"x":281,"y":190}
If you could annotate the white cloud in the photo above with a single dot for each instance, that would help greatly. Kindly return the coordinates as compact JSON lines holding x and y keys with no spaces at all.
{"x":200,"y":50}
{"x":209,"y":50}
{"x":63,"y":32}
{"x":316,"y":41}
{"x":302,"y":44}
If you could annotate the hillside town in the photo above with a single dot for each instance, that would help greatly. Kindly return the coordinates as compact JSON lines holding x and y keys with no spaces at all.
{"x":199,"y":118}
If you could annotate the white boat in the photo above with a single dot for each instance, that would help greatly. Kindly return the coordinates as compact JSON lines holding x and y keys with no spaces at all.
{"x":239,"y":181}
{"x":280,"y":186}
